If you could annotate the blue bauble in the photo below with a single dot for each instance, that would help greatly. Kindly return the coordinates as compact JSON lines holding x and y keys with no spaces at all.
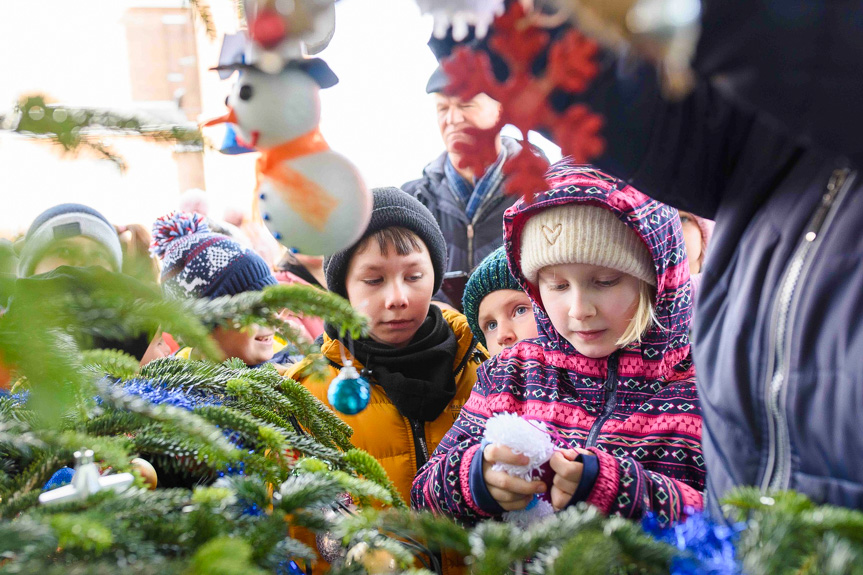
{"x":348,"y":392}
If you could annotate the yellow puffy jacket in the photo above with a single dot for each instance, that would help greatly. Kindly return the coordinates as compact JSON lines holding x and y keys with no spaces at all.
{"x":380,"y":429}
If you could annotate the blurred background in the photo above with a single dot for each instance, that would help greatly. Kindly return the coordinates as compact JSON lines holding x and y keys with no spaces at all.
{"x":151,"y":59}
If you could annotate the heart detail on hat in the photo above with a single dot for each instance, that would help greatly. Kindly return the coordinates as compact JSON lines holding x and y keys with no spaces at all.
{"x":551,"y":234}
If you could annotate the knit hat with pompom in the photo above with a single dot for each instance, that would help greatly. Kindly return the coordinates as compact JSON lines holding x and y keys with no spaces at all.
{"x":198,"y":263}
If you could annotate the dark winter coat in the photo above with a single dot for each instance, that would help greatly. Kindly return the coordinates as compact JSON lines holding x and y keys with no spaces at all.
{"x":468,"y":242}
{"x":758,"y":146}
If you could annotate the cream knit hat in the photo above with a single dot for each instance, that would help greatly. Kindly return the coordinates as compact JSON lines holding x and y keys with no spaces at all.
{"x":585,"y":234}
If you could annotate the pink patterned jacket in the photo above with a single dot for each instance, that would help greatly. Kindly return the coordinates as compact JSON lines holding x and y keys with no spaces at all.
{"x":636,"y":411}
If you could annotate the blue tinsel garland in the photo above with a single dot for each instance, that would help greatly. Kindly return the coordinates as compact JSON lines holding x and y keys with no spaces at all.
{"x":708,"y":547}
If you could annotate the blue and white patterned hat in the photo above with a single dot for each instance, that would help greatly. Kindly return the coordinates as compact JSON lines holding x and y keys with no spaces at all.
{"x":199,"y":263}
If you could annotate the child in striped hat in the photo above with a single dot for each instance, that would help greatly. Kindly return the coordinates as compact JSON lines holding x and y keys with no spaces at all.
{"x":197,"y":263}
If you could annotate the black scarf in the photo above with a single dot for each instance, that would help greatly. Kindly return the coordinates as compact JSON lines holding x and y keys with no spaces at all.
{"x":417,"y":378}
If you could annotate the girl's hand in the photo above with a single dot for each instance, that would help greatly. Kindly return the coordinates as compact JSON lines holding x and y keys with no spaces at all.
{"x":567,"y":476}
{"x":510,"y":492}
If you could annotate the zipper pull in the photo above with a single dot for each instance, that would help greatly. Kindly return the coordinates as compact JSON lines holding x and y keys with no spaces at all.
{"x":611,"y":379}
{"x":470,"y":231}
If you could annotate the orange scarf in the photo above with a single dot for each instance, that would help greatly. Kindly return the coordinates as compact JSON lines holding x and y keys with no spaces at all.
{"x":312,"y":202}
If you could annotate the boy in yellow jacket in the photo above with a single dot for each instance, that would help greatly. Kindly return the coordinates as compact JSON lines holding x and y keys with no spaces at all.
{"x":421,"y":361}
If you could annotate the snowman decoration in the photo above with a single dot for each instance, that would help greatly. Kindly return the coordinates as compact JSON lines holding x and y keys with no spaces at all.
{"x":310,"y":198}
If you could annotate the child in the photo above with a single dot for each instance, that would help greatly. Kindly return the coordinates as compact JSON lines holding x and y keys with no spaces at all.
{"x":420,"y":361}
{"x":498,"y":311}
{"x":198,"y":263}
{"x":610,"y":374}
{"x":69,"y":235}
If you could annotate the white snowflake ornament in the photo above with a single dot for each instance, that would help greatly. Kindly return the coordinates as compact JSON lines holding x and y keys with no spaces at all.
{"x":460,"y":15}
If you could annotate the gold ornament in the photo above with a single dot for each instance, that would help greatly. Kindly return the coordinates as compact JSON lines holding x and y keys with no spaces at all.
{"x":375,"y":561}
{"x":146,"y":471}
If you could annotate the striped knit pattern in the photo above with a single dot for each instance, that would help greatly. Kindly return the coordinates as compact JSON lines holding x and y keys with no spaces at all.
{"x":649,"y":450}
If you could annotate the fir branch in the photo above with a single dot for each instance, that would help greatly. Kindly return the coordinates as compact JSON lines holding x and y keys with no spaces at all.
{"x":370,"y":468}
{"x":202,"y":10}
{"x":76,"y":129}
{"x":363,"y":489}
{"x":224,"y":555}
{"x":306,"y":490}
{"x":264,"y":306}
{"x":178,"y":420}
{"x":113,"y":362}
{"x":317,"y":417}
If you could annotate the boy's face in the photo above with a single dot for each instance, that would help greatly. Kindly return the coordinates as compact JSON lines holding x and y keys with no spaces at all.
{"x":591,"y":306}
{"x":253,"y":345}
{"x":78,"y":251}
{"x":505,"y":318}
{"x":394,"y":291}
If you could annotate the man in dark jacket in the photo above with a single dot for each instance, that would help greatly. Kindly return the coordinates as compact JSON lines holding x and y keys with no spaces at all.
{"x":468,"y":209}
{"x":769,"y":145}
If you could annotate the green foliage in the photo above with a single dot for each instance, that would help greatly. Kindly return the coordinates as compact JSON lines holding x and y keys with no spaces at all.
{"x":113,"y":362}
{"x":77,"y":129}
{"x":788,"y":533}
{"x":79,"y":397}
{"x":78,"y":533}
{"x":223,"y":556}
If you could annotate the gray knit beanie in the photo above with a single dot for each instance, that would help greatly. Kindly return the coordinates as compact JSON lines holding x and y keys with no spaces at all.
{"x":392,"y":208}
{"x":68,"y":221}
{"x":578,"y":233}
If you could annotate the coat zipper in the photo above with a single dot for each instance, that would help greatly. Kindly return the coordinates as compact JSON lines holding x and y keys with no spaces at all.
{"x":777,"y":472}
{"x":420,"y":446}
{"x":609,"y":400}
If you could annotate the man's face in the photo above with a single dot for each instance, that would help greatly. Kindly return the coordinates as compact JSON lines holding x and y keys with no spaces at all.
{"x":454,"y":115}
{"x":78,"y":251}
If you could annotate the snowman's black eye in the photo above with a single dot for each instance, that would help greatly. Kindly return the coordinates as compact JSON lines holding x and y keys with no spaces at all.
{"x":226,"y":100}
{"x":245,"y":92}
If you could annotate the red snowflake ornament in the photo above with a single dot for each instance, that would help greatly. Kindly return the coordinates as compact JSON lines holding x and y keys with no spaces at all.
{"x":571,"y":62}
{"x":579,"y":134}
{"x":525,"y":174}
{"x":469,"y":73}
{"x":480,"y":151}
{"x":525,"y":97}
{"x":515,"y":39}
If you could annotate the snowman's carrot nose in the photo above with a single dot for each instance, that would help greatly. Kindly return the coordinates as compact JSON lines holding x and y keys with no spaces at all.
{"x":229,"y":118}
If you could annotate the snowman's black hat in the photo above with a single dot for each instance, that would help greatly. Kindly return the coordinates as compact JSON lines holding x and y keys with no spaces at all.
{"x":319,"y":70}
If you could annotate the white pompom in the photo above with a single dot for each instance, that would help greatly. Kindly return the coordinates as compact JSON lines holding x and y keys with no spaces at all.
{"x":525,"y":437}
{"x":522,"y":436}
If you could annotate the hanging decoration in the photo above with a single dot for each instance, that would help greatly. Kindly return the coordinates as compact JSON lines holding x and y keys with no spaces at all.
{"x":460,"y":15}
{"x":349,"y":392}
{"x":524,"y":96}
{"x":86,"y":482}
{"x":312,"y":199}
{"x":529,"y":438}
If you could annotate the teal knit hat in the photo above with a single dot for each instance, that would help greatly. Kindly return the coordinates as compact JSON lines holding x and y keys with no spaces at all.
{"x":492,"y":274}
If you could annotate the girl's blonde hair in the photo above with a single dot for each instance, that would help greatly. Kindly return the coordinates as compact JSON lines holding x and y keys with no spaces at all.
{"x":645,"y":315}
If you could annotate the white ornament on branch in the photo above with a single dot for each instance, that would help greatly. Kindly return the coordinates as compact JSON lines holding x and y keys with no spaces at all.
{"x":86,"y":482}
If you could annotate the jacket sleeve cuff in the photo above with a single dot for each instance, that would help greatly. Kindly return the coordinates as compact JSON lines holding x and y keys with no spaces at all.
{"x":607,"y":482}
{"x":588,"y":478}
{"x":480,"y":499}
